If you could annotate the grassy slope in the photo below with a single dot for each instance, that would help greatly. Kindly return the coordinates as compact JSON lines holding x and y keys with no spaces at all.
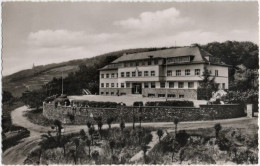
{"x":35,"y":78}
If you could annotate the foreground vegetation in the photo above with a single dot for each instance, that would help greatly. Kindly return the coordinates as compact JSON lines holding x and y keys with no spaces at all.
{"x":95,"y":146}
{"x":208,"y":146}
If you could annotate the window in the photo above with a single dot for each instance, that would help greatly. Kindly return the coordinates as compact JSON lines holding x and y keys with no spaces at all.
{"x":181,"y":96}
{"x":178,"y":72}
{"x":146,"y":85}
{"x":162,"y":84}
{"x":112,"y":85}
{"x":128,"y":85}
{"x":169,"y":73}
{"x":131,"y":64}
{"x":161,"y":95}
{"x":102,"y":93}
{"x":122,"y":74}
{"x":137,"y":63}
{"x":146,"y":73}
{"x":127,"y":74}
{"x":102,"y":75}
{"x":155,"y":62}
{"x":153,"y":85}
{"x":171,"y":84}
{"x":187,"y":72}
{"x":143,"y":63}
{"x":139,"y":74}
{"x":107,"y":76}
{"x":122,"y":85}
{"x":107,"y":93}
{"x":133,"y":74}
{"x":149,"y":63}
{"x":197,"y":71}
{"x":180,"y":84}
{"x":112,"y":93}
{"x":216,"y":72}
{"x":171,"y":95}
{"x":107,"y":85}
{"x":151,"y":95}
{"x":112,"y":75}
{"x":191,"y":84}
{"x":152,"y":73}
{"x":116,"y":75}
{"x":223,"y":86}
{"x":102,"y":85}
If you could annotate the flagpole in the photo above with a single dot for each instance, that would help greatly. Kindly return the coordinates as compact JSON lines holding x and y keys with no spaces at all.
{"x":166,"y":80}
{"x":62,"y":83}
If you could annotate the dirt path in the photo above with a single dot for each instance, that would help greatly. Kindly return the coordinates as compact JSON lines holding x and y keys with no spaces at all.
{"x":17,"y":154}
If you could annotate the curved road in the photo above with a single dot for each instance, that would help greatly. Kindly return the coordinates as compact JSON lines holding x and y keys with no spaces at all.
{"x":17,"y":154}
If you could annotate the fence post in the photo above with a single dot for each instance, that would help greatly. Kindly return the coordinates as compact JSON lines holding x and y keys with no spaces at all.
{"x":249,"y":110}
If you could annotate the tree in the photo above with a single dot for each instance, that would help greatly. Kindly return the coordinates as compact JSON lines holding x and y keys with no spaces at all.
{"x":76,"y":142}
{"x":140,"y":120}
{"x":109,"y":122}
{"x":217,"y":128}
{"x":7,"y":96}
{"x":122,"y":125}
{"x":100,"y":124}
{"x":34,"y":98}
{"x":91,"y":132}
{"x":82,"y":134}
{"x":160,"y":134}
{"x":58,"y":127}
{"x":95,"y":156}
{"x":176,"y":121}
{"x":89,"y":124}
{"x":144,"y":149}
{"x":88,"y":142}
{"x":207,"y":85}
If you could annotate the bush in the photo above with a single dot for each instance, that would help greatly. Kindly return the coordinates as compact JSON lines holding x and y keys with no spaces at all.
{"x":138,"y":104}
{"x":95,"y":104}
{"x":14,"y":140}
{"x":171,"y":103}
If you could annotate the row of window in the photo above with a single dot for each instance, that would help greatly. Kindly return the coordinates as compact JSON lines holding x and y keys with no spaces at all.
{"x":149,"y":95}
{"x":152,"y":73}
{"x":149,"y":85}
{"x":112,"y":75}
{"x":141,"y":63}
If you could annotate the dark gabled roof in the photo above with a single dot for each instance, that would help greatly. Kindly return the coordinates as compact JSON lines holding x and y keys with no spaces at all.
{"x":199,"y":56}
{"x":173,"y":52}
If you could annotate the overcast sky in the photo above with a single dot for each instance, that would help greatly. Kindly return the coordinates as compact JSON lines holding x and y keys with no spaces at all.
{"x":51,"y":32}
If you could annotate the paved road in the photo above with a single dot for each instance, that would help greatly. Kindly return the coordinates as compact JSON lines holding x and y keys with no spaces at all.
{"x":17,"y":154}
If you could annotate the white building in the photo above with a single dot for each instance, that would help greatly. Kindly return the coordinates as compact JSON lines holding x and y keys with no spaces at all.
{"x":175,"y":73}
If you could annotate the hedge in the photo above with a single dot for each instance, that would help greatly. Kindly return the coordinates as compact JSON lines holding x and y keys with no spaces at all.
{"x":171,"y":103}
{"x":138,"y":104}
{"x":86,"y":103}
{"x":14,"y":140}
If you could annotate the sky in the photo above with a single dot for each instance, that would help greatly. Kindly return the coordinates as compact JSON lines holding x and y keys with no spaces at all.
{"x":50,"y":32}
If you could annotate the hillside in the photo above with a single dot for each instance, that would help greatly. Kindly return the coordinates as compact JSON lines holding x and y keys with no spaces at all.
{"x":230,"y":52}
{"x":37,"y":77}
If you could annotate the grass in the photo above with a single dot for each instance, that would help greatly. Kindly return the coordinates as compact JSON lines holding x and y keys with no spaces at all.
{"x":36,"y":117}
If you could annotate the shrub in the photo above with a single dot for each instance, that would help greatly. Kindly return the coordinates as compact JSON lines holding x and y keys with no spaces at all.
{"x":95,"y":104}
{"x":138,"y":104}
{"x":171,"y":103}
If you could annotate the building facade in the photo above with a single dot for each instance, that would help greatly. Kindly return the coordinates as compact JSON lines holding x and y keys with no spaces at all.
{"x":171,"y":73}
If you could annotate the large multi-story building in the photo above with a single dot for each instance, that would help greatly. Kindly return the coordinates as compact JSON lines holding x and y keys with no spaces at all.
{"x":172,"y":73}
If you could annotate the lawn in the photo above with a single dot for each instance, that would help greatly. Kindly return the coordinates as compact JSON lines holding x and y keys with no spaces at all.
{"x":36,"y":117}
{"x":128,"y":99}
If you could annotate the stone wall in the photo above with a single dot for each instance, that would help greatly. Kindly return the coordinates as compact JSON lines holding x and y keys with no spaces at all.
{"x":79,"y":115}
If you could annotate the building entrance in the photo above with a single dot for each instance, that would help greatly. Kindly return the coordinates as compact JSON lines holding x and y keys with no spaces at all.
{"x":137,"y":88}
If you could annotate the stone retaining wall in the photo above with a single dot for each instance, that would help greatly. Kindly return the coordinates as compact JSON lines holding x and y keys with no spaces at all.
{"x":82,"y":115}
